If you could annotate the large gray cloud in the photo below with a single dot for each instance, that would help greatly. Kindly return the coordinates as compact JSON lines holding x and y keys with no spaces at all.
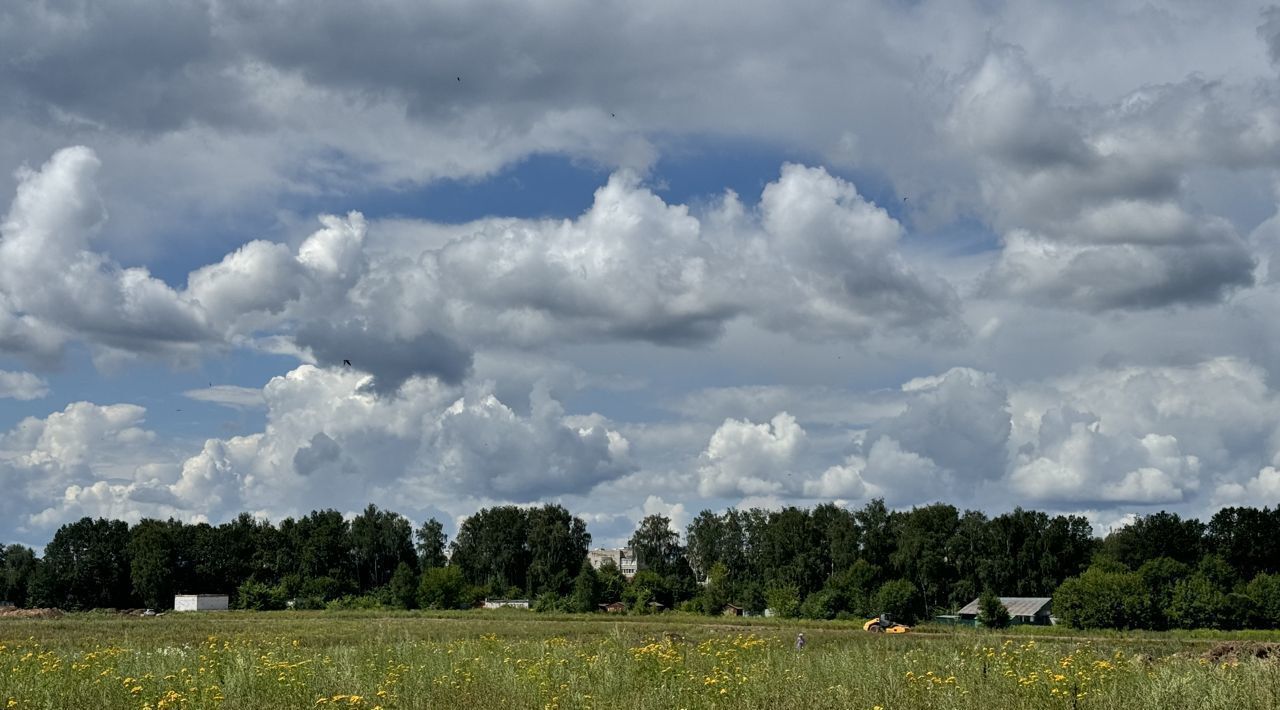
{"x":1269,"y":31}
{"x":126,"y":64}
{"x":1091,"y":197}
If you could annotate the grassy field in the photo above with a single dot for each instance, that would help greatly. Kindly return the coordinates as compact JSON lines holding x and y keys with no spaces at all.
{"x":482,"y":661}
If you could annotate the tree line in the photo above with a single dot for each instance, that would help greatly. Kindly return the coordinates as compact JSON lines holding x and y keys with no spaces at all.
{"x":1161,"y":571}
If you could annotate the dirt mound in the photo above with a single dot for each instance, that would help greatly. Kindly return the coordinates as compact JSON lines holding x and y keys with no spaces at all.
{"x":30,"y":613}
{"x":1236,"y":651}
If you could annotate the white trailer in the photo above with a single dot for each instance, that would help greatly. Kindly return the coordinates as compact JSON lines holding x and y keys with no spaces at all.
{"x":201,"y":602}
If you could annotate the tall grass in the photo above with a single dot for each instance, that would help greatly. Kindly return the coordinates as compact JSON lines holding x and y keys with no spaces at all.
{"x":521,"y":660}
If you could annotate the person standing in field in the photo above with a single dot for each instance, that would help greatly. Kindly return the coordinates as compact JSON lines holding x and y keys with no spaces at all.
{"x":800,"y":641}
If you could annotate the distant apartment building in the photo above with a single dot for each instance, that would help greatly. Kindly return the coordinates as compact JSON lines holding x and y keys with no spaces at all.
{"x":622,"y":557}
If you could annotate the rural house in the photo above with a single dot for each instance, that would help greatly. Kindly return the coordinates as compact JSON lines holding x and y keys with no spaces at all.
{"x":1035,"y":611}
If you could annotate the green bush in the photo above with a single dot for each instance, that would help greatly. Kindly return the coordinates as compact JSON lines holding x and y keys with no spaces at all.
{"x":1264,"y":590}
{"x":1197,"y":603}
{"x":784,"y":601}
{"x":992,"y":612}
{"x":444,"y":588}
{"x":1103,"y":599}
{"x":898,"y":598}
{"x":403,"y":588}
{"x":586,"y":590}
{"x":351,"y":602}
{"x":549,"y":602}
{"x":307,"y":603}
{"x":822,"y":604}
{"x":260,"y":597}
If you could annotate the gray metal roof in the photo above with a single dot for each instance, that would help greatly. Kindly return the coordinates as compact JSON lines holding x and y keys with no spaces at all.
{"x":1017,"y":606}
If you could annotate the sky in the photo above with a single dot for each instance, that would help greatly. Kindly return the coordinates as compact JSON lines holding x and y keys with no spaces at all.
{"x":636,"y":258}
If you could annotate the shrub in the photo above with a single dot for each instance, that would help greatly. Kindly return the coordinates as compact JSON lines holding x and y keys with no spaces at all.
{"x":992,"y":612}
{"x":403,"y":588}
{"x":586,"y":590}
{"x":307,"y":603}
{"x":898,"y":599}
{"x":784,"y":600}
{"x":548,"y":602}
{"x":444,"y":588}
{"x":1264,"y":590}
{"x":354,"y":601}
{"x":822,"y":604}
{"x":1102,"y":599}
{"x":1197,"y":603}
{"x":260,"y":597}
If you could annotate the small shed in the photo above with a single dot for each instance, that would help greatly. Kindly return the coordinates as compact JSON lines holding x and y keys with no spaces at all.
{"x":732,"y":610}
{"x":511,"y":603}
{"x":201,"y":602}
{"x":1035,"y":611}
{"x":613,"y":607}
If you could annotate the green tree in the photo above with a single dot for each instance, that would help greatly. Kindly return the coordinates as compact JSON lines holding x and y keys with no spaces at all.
{"x":877,"y":538}
{"x":491,"y":549}
{"x":855,"y":588}
{"x":404,"y":587}
{"x":557,"y":543}
{"x":87,"y":563}
{"x":715,"y":593}
{"x":17,"y":568}
{"x":258,"y":596}
{"x":1264,"y":590}
{"x":1103,"y":599}
{"x":784,"y":600}
{"x":645,"y":587}
{"x":705,"y":536}
{"x":1197,"y":603}
{"x":244,"y":548}
{"x":972,"y":553}
{"x":822,"y":604}
{"x":838,"y":530}
{"x":380,"y":541}
{"x":992,"y":612}
{"x":1247,"y":538}
{"x":656,"y":545}
{"x":612,"y":582}
{"x":201,"y":566}
{"x":443,"y":588}
{"x":921,"y":554}
{"x":431,"y":543}
{"x":321,"y":544}
{"x":1160,"y":576}
{"x":789,"y":551}
{"x":153,"y":553}
{"x":586,"y":589}
{"x":898,"y":598}
{"x":1161,"y":534}
{"x":1218,"y":571}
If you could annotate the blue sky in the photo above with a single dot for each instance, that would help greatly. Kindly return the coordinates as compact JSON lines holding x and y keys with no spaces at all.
{"x":660,"y":259}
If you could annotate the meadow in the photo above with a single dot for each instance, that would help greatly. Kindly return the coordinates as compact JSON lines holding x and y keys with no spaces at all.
{"x":482,"y":661}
